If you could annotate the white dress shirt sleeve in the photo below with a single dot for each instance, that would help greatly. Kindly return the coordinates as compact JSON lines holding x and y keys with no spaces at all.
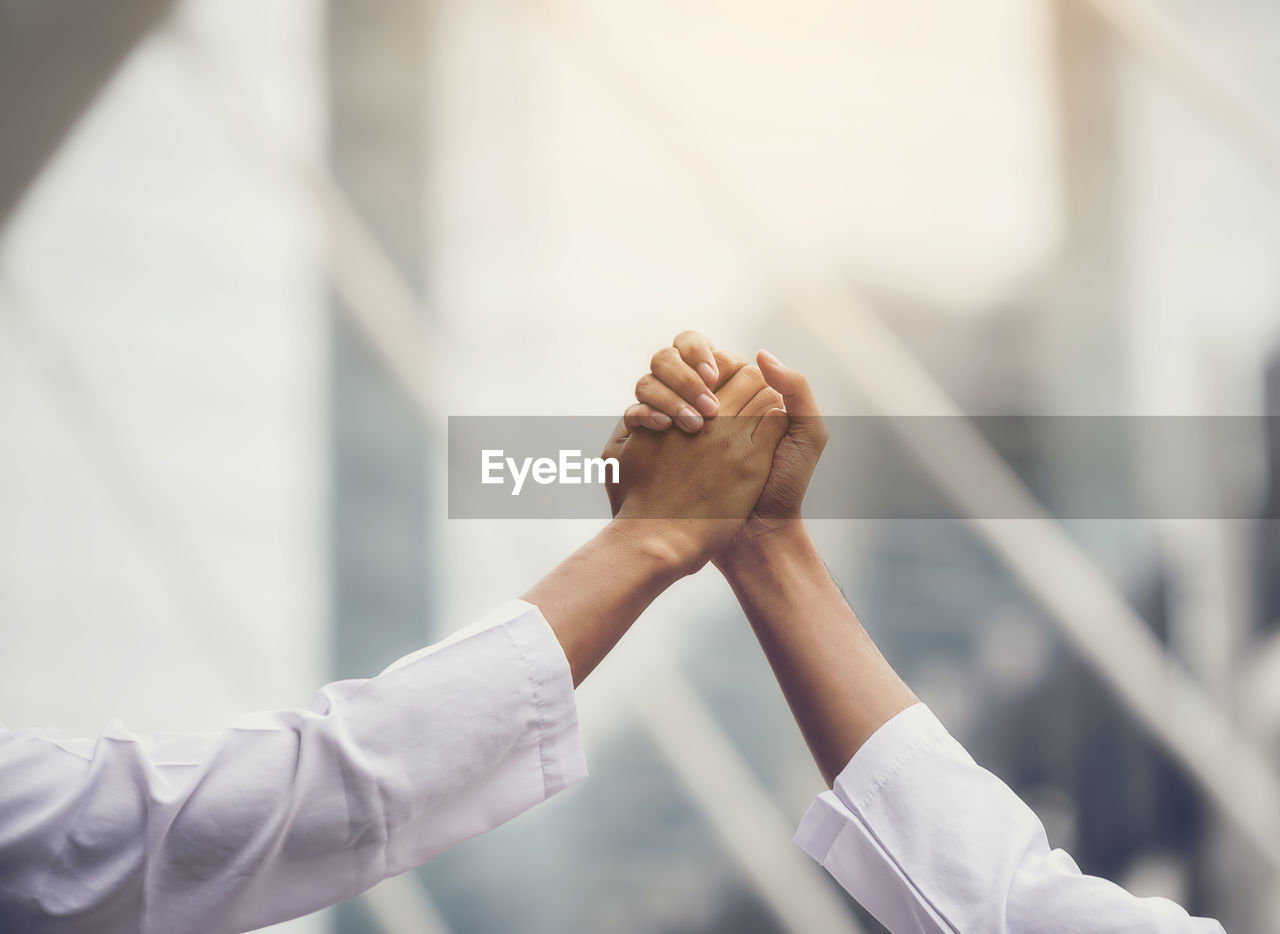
{"x":930,"y":842}
{"x":290,"y":811}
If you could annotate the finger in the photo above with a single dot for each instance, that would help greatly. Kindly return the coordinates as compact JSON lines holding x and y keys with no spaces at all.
{"x":643,"y":415}
{"x":696,"y":351}
{"x":764,"y":419}
{"x":662,"y":398}
{"x":678,"y":376}
{"x":762,"y":403}
{"x":771,"y":428}
{"x":621,"y":431}
{"x":613,"y":448}
{"x":740,"y":390}
{"x":727,"y":364}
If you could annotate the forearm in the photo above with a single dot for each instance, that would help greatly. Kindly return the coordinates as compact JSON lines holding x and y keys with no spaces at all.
{"x":591,"y":598}
{"x":838,"y":684}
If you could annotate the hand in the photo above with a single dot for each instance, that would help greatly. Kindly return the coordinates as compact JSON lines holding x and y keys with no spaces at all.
{"x":690,"y":492}
{"x":692,"y":370}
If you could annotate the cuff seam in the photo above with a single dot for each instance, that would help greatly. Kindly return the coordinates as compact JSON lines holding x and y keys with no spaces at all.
{"x":886,"y":775}
{"x":540,"y":720}
{"x":549,"y":741}
{"x":883,"y":756}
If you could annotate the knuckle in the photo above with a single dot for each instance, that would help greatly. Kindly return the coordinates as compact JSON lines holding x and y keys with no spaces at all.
{"x":745,"y":466}
{"x":665,"y":356}
{"x":644,"y":385}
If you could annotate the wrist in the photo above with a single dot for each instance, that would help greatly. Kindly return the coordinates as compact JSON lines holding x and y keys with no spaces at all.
{"x":759,"y":545}
{"x":655,"y":546}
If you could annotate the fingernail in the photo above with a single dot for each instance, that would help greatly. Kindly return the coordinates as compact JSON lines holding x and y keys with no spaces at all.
{"x":771,"y":358}
{"x":661,"y":419}
{"x":707,"y":405}
{"x":689,"y":419}
{"x":708,"y":374}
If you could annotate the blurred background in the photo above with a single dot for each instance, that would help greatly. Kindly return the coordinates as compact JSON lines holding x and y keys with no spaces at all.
{"x":253,"y":255}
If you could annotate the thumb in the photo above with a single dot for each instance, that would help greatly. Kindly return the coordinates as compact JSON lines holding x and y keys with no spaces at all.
{"x":807,"y":423}
{"x":791,"y":383}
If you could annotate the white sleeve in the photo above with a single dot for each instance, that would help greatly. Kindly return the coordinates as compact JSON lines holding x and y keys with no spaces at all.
{"x":286,"y":812}
{"x":930,"y":842}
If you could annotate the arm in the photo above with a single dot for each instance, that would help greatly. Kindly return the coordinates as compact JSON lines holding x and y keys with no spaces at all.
{"x":592,"y":598}
{"x":928,"y":841}
{"x":290,"y":811}
{"x":840,"y":688}
{"x":925,"y":838}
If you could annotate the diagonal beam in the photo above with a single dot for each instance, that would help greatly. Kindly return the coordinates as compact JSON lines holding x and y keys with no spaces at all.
{"x":375,"y":294}
{"x":55,"y":56}
{"x":1259,"y":689}
{"x":753,"y":828}
{"x":1157,"y":37}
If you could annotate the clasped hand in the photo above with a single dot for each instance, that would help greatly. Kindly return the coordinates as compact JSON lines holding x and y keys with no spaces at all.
{"x":749,"y":438}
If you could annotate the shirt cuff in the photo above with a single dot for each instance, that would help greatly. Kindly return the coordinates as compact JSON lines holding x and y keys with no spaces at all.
{"x":837,"y":833}
{"x":543,"y":674}
{"x":905,"y":736}
{"x":563,"y":762}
